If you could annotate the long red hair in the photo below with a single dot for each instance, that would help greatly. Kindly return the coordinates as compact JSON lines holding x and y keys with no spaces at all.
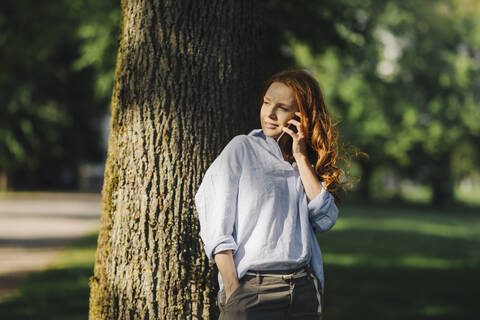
{"x":320,"y":132}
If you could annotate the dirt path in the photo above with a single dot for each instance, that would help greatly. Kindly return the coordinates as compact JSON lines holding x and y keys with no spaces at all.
{"x":34,"y":227}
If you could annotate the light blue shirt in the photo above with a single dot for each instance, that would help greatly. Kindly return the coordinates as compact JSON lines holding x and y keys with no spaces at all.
{"x":252,"y":201}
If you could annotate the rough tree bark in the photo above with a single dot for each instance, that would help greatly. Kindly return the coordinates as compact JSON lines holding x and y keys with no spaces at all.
{"x":185,"y":83}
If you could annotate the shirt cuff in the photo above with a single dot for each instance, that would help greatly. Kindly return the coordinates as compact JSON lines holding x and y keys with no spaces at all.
{"x":319,"y":204}
{"x":322,"y":211}
{"x":224,"y":243}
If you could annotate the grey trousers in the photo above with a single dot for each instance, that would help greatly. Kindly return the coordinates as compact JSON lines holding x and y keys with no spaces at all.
{"x":265,"y":297}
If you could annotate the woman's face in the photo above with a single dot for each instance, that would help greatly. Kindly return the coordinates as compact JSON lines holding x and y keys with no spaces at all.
{"x":278,"y":107}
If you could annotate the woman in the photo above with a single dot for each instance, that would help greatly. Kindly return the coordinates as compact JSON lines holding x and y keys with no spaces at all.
{"x":264,"y":199}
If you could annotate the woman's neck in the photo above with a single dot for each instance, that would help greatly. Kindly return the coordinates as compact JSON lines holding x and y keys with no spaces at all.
{"x":281,"y":145}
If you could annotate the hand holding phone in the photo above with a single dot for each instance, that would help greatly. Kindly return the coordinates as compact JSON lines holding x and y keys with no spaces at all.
{"x":291,"y":126}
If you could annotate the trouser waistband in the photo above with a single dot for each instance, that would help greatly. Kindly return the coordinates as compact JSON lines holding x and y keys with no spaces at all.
{"x":284,"y":274}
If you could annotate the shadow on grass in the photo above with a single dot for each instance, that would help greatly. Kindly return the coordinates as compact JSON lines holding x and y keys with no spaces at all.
{"x":400,"y":274}
{"x":401,"y":293}
{"x":59,"y":293}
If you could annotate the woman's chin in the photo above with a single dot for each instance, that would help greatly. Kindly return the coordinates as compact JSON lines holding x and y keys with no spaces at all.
{"x":271,"y":132}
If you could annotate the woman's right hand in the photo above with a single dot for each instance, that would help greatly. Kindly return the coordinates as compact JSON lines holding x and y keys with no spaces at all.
{"x":226,"y":266}
{"x":228,"y":293}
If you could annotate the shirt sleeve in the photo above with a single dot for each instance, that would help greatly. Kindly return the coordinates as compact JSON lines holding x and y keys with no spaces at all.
{"x":322,"y":211}
{"x":216,"y":199}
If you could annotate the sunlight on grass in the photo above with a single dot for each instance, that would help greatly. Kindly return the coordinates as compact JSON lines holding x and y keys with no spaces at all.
{"x":414,"y":261}
{"x":75,"y":257}
{"x":436,"y":310}
{"x":450,"y":229}
{"x":386,"y":238}
{"x":411,"y":261}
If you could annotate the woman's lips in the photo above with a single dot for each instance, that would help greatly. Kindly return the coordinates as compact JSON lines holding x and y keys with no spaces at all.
{"x":270,"y":126}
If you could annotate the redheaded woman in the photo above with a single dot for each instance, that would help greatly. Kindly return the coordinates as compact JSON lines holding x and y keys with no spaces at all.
{"x":264,"y":199}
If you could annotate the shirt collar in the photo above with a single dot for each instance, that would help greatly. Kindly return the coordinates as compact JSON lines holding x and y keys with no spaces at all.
{"x":273,"y":145}
{"x":268,"y":139}
{"x":257,"y":132}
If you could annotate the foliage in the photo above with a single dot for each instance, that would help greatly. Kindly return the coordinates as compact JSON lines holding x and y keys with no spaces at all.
{"x":403,"y":77}
{"x":53,"y":64}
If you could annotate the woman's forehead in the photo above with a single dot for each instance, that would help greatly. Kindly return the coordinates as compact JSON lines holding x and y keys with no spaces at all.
{"x":280,"y":93}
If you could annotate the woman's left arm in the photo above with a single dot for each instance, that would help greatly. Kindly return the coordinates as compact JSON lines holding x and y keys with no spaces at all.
{"x":322,"y":210}
{"x":311,"y":183}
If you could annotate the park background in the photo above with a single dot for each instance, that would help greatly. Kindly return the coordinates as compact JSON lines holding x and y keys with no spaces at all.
{"x":401,"y":77}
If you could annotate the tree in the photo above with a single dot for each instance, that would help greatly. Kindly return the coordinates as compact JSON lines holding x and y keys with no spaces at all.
{"x":185,"y":84}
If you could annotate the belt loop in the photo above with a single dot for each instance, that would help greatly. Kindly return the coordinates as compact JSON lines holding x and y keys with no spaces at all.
{"x":258,"y":278}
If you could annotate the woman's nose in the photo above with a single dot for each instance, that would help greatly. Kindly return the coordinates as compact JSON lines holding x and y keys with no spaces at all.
{"x":271,"y":114}
{"x":272,"y":117}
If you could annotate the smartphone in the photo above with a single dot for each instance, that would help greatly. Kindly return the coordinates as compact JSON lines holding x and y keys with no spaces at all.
{"x":290,"y":126}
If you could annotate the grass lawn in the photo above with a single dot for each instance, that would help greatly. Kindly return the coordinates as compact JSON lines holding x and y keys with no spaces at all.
{"x":391,"y":263}
{"x":59,"y":293}
{"x":380,"y":262}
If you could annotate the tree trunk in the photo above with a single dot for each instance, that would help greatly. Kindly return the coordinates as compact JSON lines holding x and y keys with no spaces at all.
{"x":185,"y":83}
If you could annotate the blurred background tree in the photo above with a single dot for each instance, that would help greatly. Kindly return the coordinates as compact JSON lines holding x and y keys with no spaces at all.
{"x":56,"y":81}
